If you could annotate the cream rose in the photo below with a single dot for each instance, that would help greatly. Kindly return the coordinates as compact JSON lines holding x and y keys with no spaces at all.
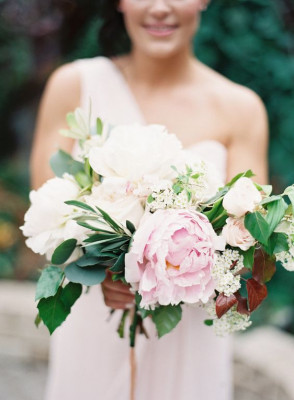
{"x":243,"y":197}
{"x":236,"y":235}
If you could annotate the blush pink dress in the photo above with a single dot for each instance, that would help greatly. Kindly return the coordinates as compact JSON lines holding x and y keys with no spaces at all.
{"x":88,"y":361}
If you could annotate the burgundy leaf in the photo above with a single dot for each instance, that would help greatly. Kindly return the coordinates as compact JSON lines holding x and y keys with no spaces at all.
{"x":224,"y":303}
{"x":242,"y":306}
{"x":264,"y":267}
{"x":256,"y":293}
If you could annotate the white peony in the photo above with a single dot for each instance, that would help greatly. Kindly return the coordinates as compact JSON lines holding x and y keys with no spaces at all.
{"x":243,"y":197}
{"x":134,"y":151}
{"x":114,"y":196}
{"x":47,"y":223}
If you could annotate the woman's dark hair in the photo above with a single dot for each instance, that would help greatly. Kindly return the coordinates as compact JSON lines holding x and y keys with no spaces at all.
{"x":113,"y":37}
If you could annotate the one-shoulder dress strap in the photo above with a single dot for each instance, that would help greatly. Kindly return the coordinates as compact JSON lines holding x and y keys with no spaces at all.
{"x":104,"y":89}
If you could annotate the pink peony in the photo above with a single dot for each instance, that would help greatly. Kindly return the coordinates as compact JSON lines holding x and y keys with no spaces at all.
{"x":171,"y":258}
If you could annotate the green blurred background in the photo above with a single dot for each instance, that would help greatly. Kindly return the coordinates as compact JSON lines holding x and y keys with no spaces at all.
{"x":249,"y":41}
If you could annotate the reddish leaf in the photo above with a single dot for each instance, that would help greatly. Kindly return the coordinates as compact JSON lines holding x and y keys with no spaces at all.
{"x":224,"y":303}
{"x":256,"y":293}
{"x":264,"y":267}
{"x":242,"y":306}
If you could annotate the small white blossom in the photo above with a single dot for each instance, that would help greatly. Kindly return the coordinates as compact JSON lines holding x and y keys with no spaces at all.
{"x":230,"y":322}
{"x":287,"y":257}
{"x":225,"y":271}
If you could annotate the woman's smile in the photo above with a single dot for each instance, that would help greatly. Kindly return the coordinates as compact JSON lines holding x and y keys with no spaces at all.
{"x":160,"y":30}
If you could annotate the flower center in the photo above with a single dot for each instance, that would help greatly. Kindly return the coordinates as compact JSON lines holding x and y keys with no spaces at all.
{"x":169,"y":265}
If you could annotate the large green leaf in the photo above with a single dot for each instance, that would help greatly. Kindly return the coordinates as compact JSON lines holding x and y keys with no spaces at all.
{"x":258,"y":227}
{"x":49,"y":282}
{"x":88,"y":276}
{"x":276,"y":211}
{"x":248,"y":257}
{"x":166,"y":318}
{"x":63,"y":251}
{"x":53,"y":311}
{"x":277,"y":242}
{"x":119,"y":264}
{"x":70,"y":293}
{"x":86,"y":261}
{"x":62,"y":162}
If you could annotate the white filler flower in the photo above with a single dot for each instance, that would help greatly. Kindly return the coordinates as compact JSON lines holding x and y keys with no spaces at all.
{"x":225,"y":271}
{"x":230,"y":322}
{"x":48,"y":220}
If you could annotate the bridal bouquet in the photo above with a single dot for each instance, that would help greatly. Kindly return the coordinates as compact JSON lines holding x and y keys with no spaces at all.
{"x":135,"y":205}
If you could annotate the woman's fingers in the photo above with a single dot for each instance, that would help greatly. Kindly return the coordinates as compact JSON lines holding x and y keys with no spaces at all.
{"x":116,"y":294}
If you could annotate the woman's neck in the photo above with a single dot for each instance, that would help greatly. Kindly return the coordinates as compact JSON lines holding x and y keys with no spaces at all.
{"x":151,"y":71}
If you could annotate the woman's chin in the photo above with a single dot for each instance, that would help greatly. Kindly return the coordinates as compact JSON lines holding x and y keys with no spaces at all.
{"x":161,"y":50}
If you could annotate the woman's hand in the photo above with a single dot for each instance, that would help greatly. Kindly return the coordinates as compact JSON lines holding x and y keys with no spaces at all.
{"x":116,"y":294}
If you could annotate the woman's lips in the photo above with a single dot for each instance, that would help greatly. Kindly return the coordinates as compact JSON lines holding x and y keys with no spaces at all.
{"x":160,"y":30}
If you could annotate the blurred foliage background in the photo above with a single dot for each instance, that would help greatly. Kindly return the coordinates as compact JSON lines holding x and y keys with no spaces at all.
{"x":249,"y":41}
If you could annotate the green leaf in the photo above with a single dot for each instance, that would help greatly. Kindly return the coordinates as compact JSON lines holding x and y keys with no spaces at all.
{"x":103,"y":238}
{"x":119,"y":265}
{"x":121,"y":327}
{"x":63,"y":251}
{"x":270,"y":199}
{"x":177,"y":188}
{"x":208,"y":322}
{"x":83,"y":179}
{"x":53,"y":311}
{"x":86,"y":261}
{"x":277,"y":242}
{"x":38,"y":320}
{"x":216,"y":209}
{"x":115,"y":226}
{"x":150,"y":199}
{"x":220,"y":220}
{"x":49,"y":282}
{"x":247,"y":174}
{"x":258,"y":227}
{"x":290,"y":193}
{"x":99,"y":126}
{"x":70,"y":293}
{"x":131,"y":227}
{"x":62,"y":162}
{"x":166,"y":318}
{"x":276,"y":211}
{"x":248,"y":257}
{"x":267,"y":189}
{"x":87,"y":276}
{"x":79,"y":204}
{"x":116,"y":245}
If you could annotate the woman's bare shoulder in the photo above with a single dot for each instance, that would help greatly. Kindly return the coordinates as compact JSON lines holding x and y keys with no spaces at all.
{"x":62,"y":91}
{"x":243,"y":109}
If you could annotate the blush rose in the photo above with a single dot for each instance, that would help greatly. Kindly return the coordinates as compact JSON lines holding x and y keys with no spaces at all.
{"x":236,"y":235}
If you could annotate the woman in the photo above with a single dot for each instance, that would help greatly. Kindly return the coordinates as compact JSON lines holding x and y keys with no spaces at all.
{"x":158,"y":81}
